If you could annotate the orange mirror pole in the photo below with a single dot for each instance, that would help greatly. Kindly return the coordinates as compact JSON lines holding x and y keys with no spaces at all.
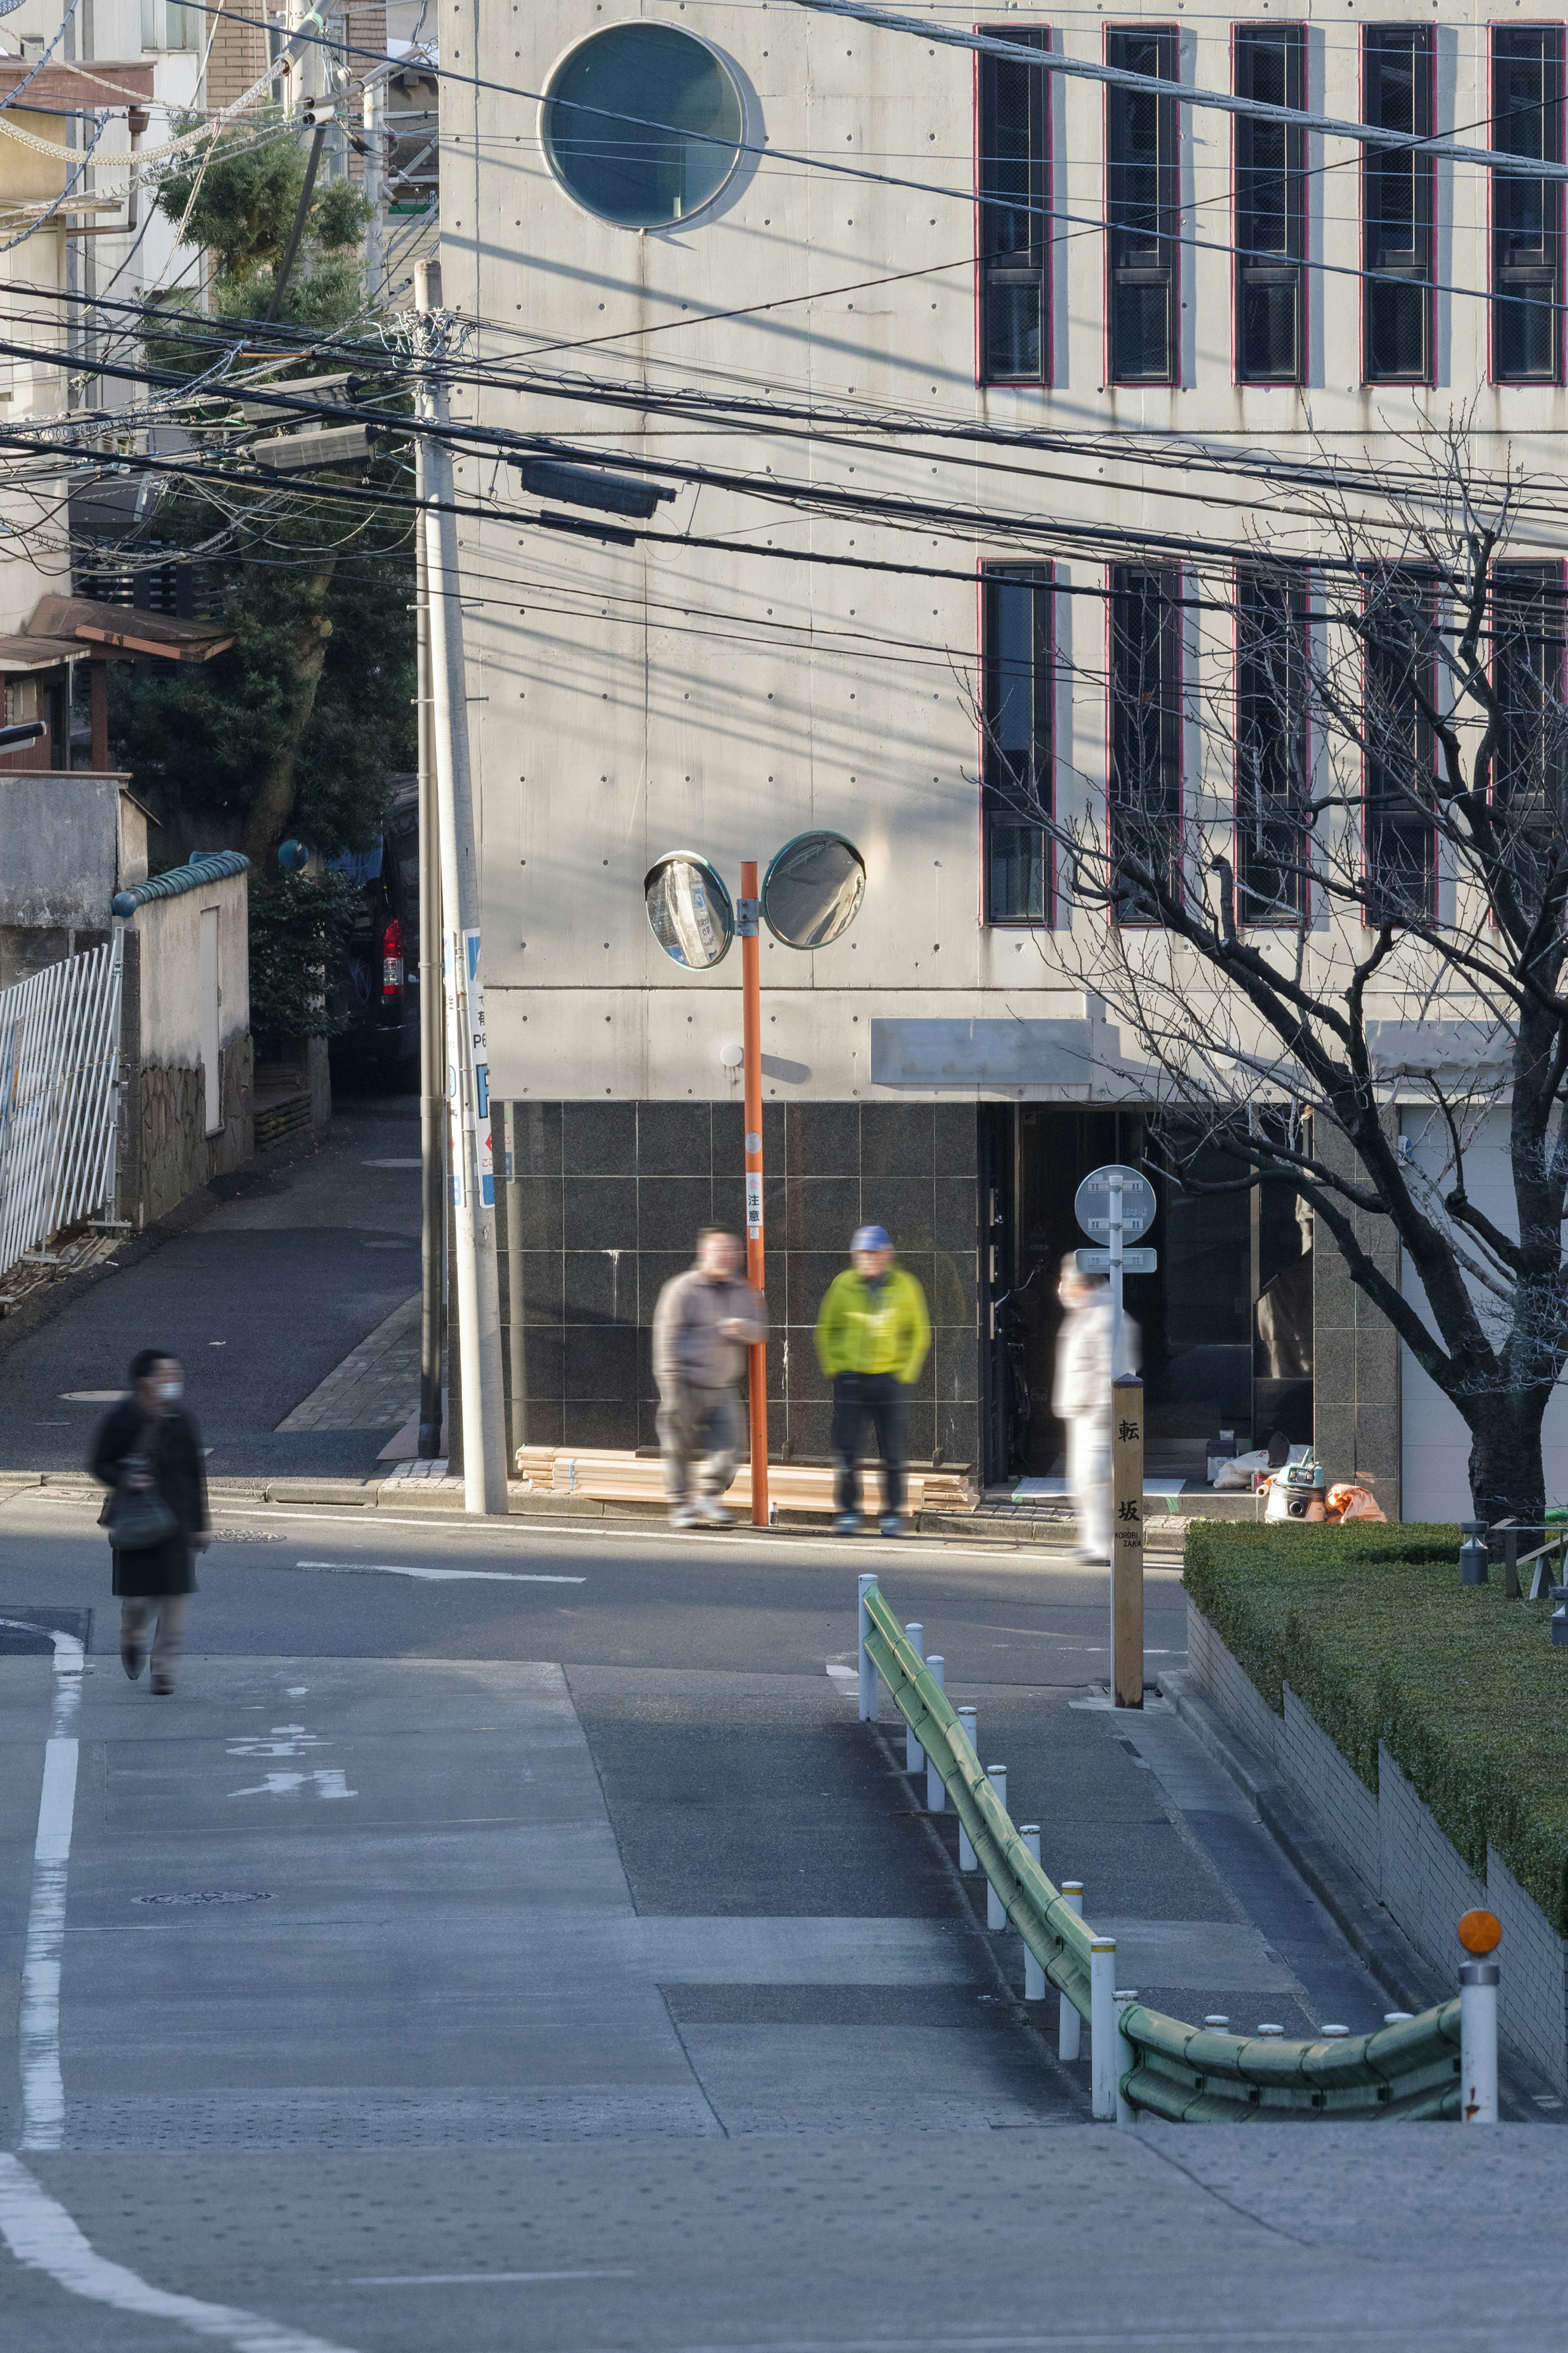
{"x":748,"y":915}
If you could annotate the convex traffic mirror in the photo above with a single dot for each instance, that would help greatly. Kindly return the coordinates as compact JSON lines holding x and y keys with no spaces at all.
{"x":812,"y":891}
{"x":689,"y":910}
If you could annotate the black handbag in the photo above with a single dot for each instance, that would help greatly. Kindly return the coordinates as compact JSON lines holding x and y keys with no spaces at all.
{"x":136,"y":1519}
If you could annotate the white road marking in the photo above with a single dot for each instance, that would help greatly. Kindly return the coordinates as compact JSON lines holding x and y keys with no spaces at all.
{"x":479,"y":2279}
{"x":43,"y":2086}
{"x":286,"y":1740}
{"x":439,"y":1575}
{"x":42,"y":2235}
{"x":91,"y":1397}
{"x":330,"y":1781}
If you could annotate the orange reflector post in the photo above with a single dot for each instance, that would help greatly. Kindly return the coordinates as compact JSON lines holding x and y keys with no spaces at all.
{"x":1480,"y":1932}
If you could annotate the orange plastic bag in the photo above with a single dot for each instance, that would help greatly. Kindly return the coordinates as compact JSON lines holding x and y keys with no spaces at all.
{"x":1349,"y":1501}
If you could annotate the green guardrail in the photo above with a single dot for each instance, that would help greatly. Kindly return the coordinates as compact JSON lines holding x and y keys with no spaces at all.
{"x":1185,"y":2074}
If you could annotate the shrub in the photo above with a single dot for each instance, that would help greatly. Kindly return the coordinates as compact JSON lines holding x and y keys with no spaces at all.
{"x":1378,"y":1640}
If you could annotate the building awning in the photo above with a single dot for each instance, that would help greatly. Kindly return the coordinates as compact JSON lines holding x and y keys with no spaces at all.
{"x":92,"y":82}
{"x":86,"y":625}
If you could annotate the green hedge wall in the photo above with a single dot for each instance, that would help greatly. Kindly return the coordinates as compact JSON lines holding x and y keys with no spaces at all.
{"x":1373,"y":1632}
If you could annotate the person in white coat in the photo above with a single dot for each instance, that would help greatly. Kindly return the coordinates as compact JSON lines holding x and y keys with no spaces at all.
{"x":1081,"y":1397}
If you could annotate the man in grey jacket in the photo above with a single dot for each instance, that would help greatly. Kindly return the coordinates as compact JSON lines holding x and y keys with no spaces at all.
{"x":704,"y":1321}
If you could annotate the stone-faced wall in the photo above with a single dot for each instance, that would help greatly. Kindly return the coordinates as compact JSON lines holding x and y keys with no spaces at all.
{"x":612,"y":1196}
{"x":166,"y":1152}
{"x":1356,"y":1413}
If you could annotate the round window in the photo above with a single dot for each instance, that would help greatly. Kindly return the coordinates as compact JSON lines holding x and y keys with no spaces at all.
{"x":642,"y":125}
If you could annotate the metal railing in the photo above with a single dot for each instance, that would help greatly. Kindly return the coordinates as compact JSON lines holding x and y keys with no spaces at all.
{"x":60,"y":1068}
{"x":1411,"y":2068}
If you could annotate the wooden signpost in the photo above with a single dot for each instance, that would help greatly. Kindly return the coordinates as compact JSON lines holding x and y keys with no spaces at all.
{"x":1127,"y":1540}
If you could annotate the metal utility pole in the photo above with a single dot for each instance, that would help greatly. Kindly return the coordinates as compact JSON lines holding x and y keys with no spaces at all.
{"x":435,"y":1149}
{"x":748,"y":915}
{"x":467,"y":1079}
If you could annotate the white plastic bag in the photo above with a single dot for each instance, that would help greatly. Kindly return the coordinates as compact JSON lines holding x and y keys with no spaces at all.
{"x":1238,"y":1470}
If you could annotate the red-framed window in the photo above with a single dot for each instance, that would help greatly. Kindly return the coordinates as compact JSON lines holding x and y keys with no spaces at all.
{"x":1273,"y":746}
{"x":1144,"y":623}
{"x":1012,"y":177}
{"x":1269,"y":62}
{"x":1527,"y":341}
{"x":1017,"y":670}
{"x":1142,"y":210}
{"x":1399,"y":187}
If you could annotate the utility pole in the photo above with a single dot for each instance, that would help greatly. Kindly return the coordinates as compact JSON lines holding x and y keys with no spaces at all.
{"x":467,"y":1078}
{"x":374,"y":103}
{"x":747,"y":923}
{"x":434,"y":1147}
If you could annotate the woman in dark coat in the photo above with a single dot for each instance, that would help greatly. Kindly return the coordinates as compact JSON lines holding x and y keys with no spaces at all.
{"x":149,"y":1440}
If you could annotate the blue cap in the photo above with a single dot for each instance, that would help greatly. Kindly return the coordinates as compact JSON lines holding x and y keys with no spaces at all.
{"x":870,"y":1237}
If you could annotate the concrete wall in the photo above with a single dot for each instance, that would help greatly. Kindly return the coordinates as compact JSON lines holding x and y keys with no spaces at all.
{"x":167,"y":1148}
{"x":1391,"y":1840}
{"x":68,"y":841}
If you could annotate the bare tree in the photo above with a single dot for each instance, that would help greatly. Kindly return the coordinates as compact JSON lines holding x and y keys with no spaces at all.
{"x":1364,"y":896}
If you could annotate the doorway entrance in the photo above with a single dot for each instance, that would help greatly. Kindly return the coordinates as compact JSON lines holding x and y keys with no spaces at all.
{"x":1224,"y":1323}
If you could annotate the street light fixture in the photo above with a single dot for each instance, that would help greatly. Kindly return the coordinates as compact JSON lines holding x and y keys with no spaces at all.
{"x":810,"y":896}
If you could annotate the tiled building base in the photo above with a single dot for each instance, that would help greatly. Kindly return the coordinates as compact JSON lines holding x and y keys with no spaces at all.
{"x":1391,"y":1840}
{"x":609,"y":1198}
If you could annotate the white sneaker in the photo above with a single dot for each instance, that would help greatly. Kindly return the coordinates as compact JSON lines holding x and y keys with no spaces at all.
{"x":685,"y":1516}
{"x":712,"y":1513}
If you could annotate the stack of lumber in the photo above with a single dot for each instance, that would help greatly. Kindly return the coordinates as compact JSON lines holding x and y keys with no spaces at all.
{"x":608,"y":1475}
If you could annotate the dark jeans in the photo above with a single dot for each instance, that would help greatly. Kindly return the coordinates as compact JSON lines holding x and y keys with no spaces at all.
{"x":882,"y":1399}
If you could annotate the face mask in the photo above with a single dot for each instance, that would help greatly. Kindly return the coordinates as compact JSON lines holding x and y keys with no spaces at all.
{"x":171,"y":1391}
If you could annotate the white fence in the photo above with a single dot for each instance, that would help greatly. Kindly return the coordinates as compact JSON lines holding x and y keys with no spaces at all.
{"x":59,"y":1070}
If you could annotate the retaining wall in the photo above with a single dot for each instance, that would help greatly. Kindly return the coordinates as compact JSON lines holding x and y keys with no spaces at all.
{"x":1391,"y":1840}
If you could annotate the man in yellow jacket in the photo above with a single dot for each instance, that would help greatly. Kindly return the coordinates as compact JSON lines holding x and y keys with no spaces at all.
{"x":872,"y":1336}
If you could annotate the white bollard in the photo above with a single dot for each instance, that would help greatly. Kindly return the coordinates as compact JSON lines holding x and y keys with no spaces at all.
{"x":1126,"y":2058}
{"x":1069,"y":2025}
{"x":914,"y":1754}
{"x":936,"y":1788}
{"x":1103,"y":2037}
{"x":1034,"y":1975}
{"x":1477,"y":2043}
{"x":996,"y":1910}
{"x":969,"y":1720}
{"x":868,"y":1672}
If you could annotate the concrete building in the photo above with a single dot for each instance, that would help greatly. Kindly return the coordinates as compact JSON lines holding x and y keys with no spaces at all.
{"x":814,"y":343}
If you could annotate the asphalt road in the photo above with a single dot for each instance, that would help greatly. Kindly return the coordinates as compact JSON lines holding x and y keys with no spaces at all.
{"x":510,"y":1936}
{"x":260,"y":1301}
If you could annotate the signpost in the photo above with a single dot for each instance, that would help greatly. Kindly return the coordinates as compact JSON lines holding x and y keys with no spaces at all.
{"x":1127,"y":1540}
{"x":1118,"y":1204}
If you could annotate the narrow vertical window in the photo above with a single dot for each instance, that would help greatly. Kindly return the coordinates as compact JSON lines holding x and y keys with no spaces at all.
{"x":1272,"y":777}
{"x":1530,"y":748}
{"x":1145,"y":730}
{"x":1018,"y":682}
{"x":1527,"y":213}
{"x":1014,"y":179}
{"x":1398,"y":186}
{"x":1144,"y":212}
{"x":1400,"y":694}
{"x":1269,"y":65}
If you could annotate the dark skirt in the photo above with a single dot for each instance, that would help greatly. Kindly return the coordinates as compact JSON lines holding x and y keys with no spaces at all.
{"x":168,"y":1567}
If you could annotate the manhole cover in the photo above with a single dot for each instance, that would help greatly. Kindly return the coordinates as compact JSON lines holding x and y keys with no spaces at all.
{"x":211,"y":1895}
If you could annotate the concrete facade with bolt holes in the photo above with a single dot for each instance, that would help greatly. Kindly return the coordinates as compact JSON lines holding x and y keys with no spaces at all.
{"x":1405,"y":1862}
{"x":629,"y":700}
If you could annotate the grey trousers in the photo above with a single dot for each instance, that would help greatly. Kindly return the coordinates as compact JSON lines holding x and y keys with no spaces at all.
{"x":136,"y":1615}
{"x":698,"y":1426}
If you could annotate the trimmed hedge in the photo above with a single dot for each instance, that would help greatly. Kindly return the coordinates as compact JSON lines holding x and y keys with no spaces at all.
{"x":1376,"y":1637}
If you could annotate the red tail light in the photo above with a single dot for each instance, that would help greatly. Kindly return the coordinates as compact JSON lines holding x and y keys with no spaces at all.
{"x":392,"y":958}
